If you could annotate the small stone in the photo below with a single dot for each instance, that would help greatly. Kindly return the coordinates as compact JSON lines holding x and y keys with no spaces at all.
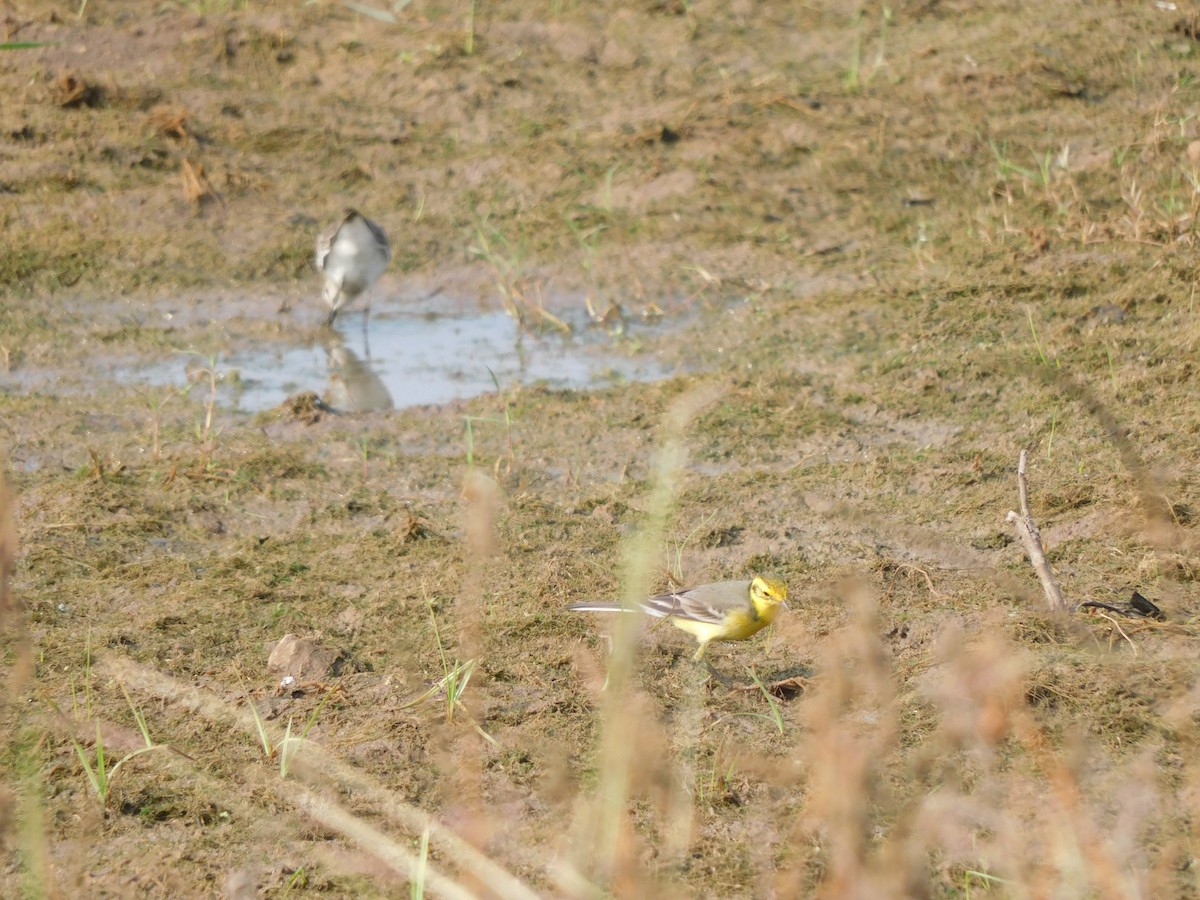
{"x":303,"y":659}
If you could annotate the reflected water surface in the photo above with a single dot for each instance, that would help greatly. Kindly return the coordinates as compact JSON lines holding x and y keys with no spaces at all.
{"x":413,"y":360}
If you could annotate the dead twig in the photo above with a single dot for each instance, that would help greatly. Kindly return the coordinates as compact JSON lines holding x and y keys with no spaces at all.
{"x":1032,"y":540}
{"x":1115,"y":624}
{"x":933,"y":592}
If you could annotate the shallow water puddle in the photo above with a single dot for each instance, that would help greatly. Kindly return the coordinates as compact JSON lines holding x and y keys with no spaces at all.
{"x":412,"y":360}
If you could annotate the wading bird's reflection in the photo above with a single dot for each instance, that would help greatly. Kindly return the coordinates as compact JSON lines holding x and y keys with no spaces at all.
{"x":353,"y":385}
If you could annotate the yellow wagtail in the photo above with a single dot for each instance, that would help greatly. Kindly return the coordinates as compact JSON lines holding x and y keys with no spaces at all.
{"x":724,"y":611}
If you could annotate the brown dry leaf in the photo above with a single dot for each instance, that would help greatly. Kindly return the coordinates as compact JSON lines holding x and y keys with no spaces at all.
{"x":172,"y":122}
{"x":1039,"y":240}
{"x":70,"y":91}
{"x":196,"y":186}
{"x":411,"y":528}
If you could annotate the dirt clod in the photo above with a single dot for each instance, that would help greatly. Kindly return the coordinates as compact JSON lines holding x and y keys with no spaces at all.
{"x":304,"y":659}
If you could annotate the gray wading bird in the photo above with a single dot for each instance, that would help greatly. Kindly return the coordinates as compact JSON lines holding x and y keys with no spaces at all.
{"x":351,"y":253}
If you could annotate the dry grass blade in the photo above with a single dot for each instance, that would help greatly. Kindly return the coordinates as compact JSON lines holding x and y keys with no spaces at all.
{"x":374,"y":12}
{"x":196,"y":185}
{"x":603,"y":848}
{"x":381,"y":846}
{"x":328,"y":768}
{"x":521,"y":295}
{"x":170,"y":121}
{"x":8,"y":549}
{"x":321,"y":766}
{"x":12,"y":615}
{"x":1156,"y":510}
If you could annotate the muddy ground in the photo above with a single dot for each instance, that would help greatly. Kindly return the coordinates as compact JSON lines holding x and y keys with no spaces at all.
{"x":883,"y":248}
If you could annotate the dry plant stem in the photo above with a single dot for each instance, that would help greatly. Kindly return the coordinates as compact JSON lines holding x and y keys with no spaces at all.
{"x":482,"y":496}
{"x":1154,"y":505}
{"x":398,"y":857}
{"x":12,"y":613}
{"x":1119,"y":629}
{"x":1033,"y":542}
{"x":327,"y":770}
{"x":1067,"y":796}
{"x":23,"y":787}
{"x":27,"y":787}
{"x":8,"y":550}
{"x":331,"y":771}
{"x":606,"y":843}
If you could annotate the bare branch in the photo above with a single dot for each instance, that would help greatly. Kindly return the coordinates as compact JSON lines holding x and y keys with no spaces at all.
{"x":1032,"y":540}
{"x":1023,"y":485}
